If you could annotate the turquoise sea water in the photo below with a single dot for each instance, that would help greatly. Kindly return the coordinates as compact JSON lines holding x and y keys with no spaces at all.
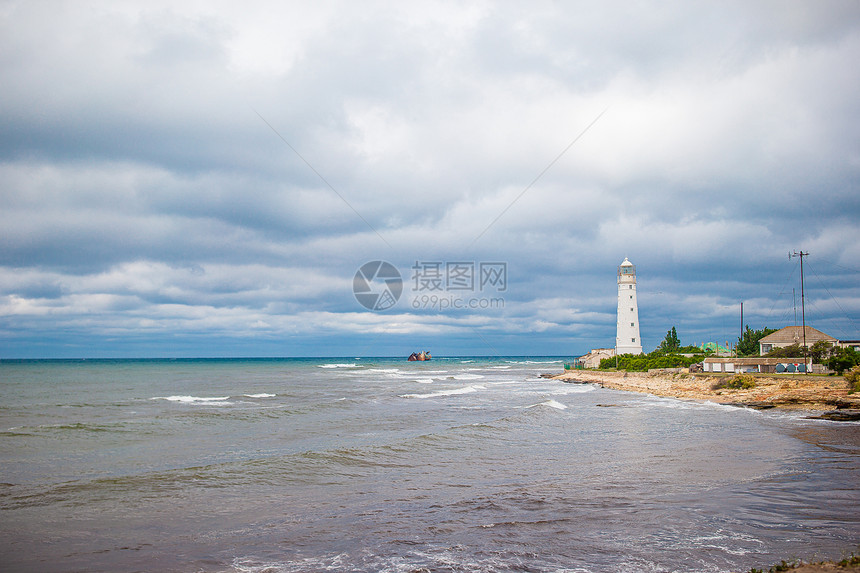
{"x":458,"y":464}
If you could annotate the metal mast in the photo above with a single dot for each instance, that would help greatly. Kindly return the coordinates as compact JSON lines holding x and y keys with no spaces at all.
{"x":801,"y":254}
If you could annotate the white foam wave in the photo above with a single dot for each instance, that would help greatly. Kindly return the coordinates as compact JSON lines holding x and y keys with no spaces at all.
{"x":577,"y":389}
{"x":505,"y":382}
{"x":551,"y":404}
{"x":384,"y":370}
{"x":453,"y":392}
{"x":686,"y":404}
{"x":424,"y":380}
{"x":193,"y":399}
{"x":261,"y":395}
{"x":338,"y":366}
{"x":467,"y":376}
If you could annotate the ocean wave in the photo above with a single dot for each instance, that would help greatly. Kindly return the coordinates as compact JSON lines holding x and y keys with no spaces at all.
{"x":75,"y":426}
{"x":574,"y":389}
{"x":453,"y":392}
{"x":338,"y":366}
{"x":261,"y":395}
{"x":424,"y":380}
{"x":506,"y":382}
{"x":194,"y":399}
{"x":690,"y":404}
{"x":551,"y":404}
{"x":466,"y":376}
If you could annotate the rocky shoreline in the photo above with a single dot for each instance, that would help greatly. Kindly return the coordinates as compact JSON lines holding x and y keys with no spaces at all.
{"x":825,"y":394}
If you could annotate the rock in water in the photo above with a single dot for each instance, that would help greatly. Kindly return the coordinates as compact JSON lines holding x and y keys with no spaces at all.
{"x":839,"y":416}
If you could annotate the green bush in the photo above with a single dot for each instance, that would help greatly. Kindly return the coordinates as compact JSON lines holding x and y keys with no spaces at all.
{"x":853,"y":378}
{"x":843,"y":359}
{"x":736,"y":382}
{"x":645,"y":362}
{"x":793,"y":351}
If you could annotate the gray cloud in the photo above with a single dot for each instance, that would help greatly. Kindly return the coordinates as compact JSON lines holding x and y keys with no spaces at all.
{"x":143,"y":198}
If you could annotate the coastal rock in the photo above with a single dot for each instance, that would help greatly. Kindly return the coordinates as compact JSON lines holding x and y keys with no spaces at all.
{"x":573,"y":381}
{"x":752,"y":405}
{"x":848,"y":402}
{"x":839,"y":416}
{"x":806,"y":393}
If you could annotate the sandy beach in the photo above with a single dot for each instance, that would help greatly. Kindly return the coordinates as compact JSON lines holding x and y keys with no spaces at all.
{"x":820,"y":393}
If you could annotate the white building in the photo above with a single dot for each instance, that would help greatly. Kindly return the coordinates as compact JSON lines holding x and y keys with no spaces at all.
{"x":593,"y":358}
{"x":627,"y":339}
{"x":793,"y":335}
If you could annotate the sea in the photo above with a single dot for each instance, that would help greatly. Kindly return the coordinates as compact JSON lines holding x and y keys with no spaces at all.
{"x":468,"y":464}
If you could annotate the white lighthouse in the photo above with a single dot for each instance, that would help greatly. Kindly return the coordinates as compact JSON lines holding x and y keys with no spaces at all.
{"x":627,"y":339}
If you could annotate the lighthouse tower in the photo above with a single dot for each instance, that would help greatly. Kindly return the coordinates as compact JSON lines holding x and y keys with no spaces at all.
{"x":627,"y":339}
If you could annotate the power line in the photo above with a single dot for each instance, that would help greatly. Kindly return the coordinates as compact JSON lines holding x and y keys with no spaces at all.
{"x":851,"y":320}
{"x":781,"y":291}
{"x":801,"y":254}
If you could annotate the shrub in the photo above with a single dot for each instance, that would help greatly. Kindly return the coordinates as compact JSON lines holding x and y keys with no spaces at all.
{"x":784,"y":566}
{"x":644,"y":362}
{"x":843,"y":359}
{"x":853,"y":378}
{"x":793,"y":351}
{"x":736,"y":382}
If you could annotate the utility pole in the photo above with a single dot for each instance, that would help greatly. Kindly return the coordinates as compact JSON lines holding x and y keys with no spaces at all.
{"x":801,"y":254}
{"x":741,"y":339}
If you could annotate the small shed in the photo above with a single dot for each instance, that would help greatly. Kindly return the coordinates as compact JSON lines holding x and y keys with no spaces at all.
{"x":756,"y":364}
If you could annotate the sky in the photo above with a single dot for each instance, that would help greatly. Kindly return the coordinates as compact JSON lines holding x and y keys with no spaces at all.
{"x":203,"y":179}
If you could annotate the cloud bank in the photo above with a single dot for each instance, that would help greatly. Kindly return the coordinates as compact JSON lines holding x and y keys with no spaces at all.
{"x":205,"y":179}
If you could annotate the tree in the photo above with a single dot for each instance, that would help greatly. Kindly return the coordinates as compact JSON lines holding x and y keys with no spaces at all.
{"x":793,"y":351}
{"x":821,"y":351}
{"x":843,"y":359}
{"x":748,"y":342}
{"x":671,"y":343}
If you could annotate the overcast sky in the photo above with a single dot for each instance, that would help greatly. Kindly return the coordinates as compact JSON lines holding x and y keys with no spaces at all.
{"x":206,"y":178}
